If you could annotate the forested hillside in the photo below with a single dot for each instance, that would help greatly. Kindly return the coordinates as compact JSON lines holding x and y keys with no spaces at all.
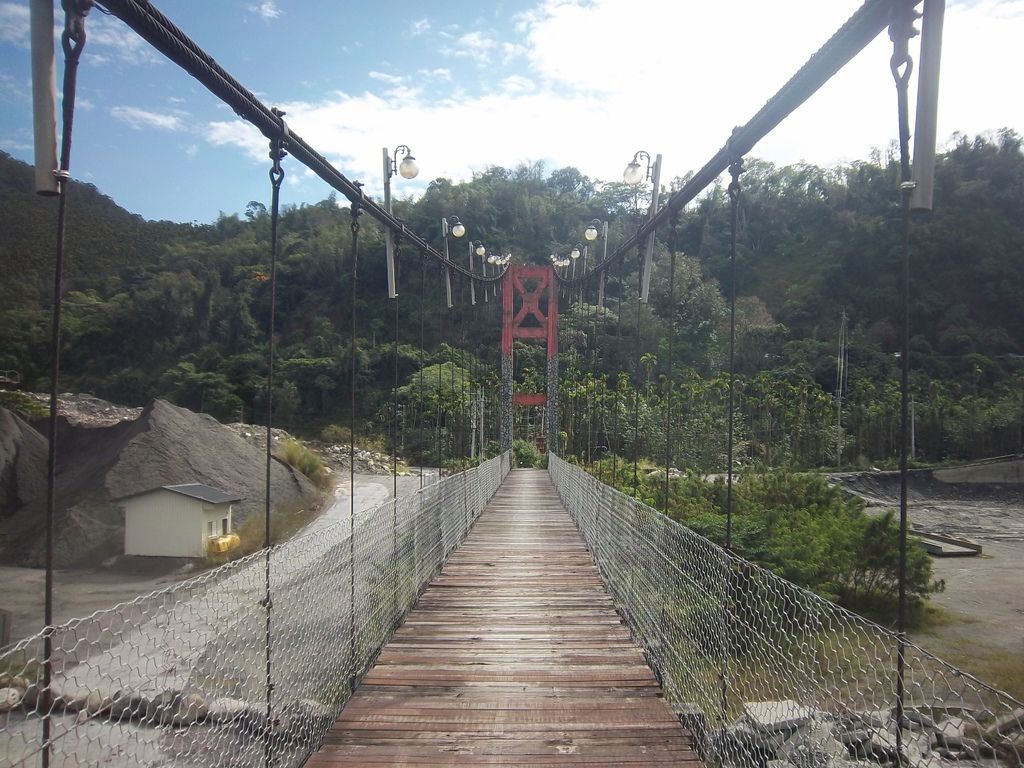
{"x":180,"y":311}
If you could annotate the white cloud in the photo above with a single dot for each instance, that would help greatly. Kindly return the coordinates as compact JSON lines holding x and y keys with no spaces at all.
{"x":267,"y":9}
{"x":14,"y":24}
{"x":517,"y":84}
{"x":474,"y":45}
{"x":438,"y":73}
{"x":15,"y":144}
{"x":10,"y":86}
{"x":239,"y":134}
{"x":142,"y":118}
{"x":108,"y":38}
{"x":591,"y":99}
{"x":384,"y":77}
{"x":419,"y":27}
{"x":512,"y":51}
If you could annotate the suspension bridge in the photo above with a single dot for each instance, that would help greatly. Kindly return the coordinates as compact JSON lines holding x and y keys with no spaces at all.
{"x":497,"y":616}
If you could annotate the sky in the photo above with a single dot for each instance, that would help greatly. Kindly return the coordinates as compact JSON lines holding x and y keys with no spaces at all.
{"x":468,"y":85}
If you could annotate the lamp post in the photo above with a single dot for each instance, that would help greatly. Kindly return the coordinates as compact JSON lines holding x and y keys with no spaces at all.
{"x":574,"y":254}
{"x":407,"y":169}
{"x":635,"y":175}
{"x":595,"y":230}
{"x":450,"y":226}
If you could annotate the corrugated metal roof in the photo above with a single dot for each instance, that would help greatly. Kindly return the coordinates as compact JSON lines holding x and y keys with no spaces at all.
{"x":203,"y":493}
{"x":193,"y":490}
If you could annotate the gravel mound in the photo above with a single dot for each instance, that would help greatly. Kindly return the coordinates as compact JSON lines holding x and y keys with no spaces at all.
{"x":22,"y":464}
{"x":98,"y":464}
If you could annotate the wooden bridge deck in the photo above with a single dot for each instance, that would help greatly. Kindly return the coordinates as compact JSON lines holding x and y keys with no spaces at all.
{"x":513,"y":656}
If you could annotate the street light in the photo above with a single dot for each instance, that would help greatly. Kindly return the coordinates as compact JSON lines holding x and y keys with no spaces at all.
{"x":450,"y":225}
{"x":407,"y":169}
{"x":595,"y":229}
{"x":635,"y":175}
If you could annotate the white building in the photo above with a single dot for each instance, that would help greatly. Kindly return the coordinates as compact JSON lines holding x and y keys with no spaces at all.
{"x":176,"y":520}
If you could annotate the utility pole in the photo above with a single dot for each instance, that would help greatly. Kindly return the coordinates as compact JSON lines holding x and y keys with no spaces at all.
{"x":841,"y":378}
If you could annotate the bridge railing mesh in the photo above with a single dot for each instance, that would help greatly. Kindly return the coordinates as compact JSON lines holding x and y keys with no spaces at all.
{"x":762,"y":670}
{"x":180,"y":676}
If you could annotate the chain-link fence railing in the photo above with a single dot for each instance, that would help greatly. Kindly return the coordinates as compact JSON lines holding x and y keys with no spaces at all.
{"x":762,"y":670}
{"x":180,"y":676}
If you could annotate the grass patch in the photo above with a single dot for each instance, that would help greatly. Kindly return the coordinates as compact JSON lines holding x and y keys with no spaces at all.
{"x":958,"y":640}
{"x":297,"y":455}
{"x":1003,"y":670}
{"x":285,"y":521}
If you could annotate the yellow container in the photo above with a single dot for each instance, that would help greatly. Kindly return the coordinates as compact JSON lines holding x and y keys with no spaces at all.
{"x":220,"y":544}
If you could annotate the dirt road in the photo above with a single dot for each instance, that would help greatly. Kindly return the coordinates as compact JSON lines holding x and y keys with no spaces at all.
{"x":78,"y":593}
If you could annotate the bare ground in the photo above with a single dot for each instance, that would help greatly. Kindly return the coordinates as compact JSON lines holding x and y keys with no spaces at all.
{"x":979,"y":622}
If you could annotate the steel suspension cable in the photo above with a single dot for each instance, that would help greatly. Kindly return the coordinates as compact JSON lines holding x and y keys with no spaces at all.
{"x":277,"y":153}
{"x":850,"y":39}
{"x":421,"y":411}
{"x":440,"y":387}
{"x":637,"y":363}
{"x":356,"y":212}
{"x":149,"y":23}
{"x":615,"y":413}
{"x":670,"y":381}
{"x":72,"y":42}
{"x":735,"y":169}
{"x":901,"y":65}
{"x":394,"y":436}
{"x":394,"y":386}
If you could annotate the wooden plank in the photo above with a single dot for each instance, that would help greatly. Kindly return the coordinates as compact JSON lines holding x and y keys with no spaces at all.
{"x":513,"y":656}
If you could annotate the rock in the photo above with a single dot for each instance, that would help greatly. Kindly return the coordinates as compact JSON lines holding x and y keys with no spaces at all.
{"x":915,"y":718}
{"x":14,"y":681}
{"x":1011,"y":748}
{"x":776,"y":716}
{"x":917,"y":750}
{"x":813,"y":745}
{"x":949,"y":736}
{"x":744,"y":744}
{"x":191,"y":709}
{"x":306,"y":718}
{"x":96,"y":704}
{"x":125,"y":705}
{"x":692,"y":717}
{"x":879,"y":718}
{"x":160,"y":709}
{"x":857,"y":742}
{"x":248,"y":718}
{"x":1007,"y":724}
{"x":10,"y":698}
{"x":881,"y":747}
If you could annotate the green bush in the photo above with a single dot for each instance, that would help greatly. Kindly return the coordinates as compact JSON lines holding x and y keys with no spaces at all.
{"x":336,"y":433}
{"x":526,"y":453}
{"x":22,"y":404}
{"x":802,"y":529}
